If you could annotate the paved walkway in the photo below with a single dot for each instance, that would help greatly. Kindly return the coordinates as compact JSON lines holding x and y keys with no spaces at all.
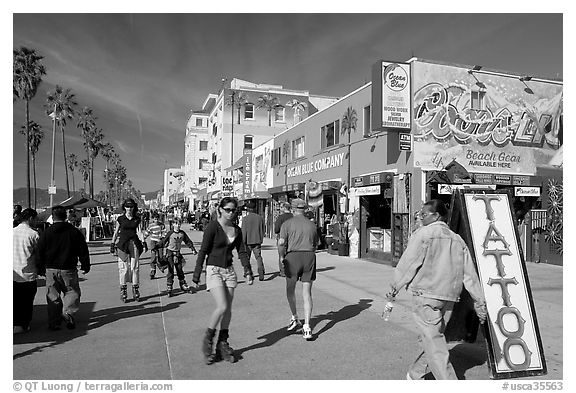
{"x":159,"y":338}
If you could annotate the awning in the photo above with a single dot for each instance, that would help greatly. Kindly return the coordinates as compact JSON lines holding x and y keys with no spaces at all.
{"x":286,"y":188}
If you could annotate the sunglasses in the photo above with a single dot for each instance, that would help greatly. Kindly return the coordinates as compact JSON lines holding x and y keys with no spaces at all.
{"x":228,"y":209}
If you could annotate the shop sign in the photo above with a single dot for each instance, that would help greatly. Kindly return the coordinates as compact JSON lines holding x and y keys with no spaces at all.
{"x":227,"y":186}
{"x":520,"y":180}
{"x":405,"y":142}
{"x":510,"y":131}
{"x":364,"y":191}
{"x":328,"y":162}
{"x":527,"y":191}
{"x":358,"y":181}
{"x":483,"y":178}
{"x":376,"y":239}
{"x":376,"y":178}
{"x":396,"y":96}
{"x":515,"y":346}
{"x":247,"y":190}
{"x":503,"y":179}
{"x":447,"y":189}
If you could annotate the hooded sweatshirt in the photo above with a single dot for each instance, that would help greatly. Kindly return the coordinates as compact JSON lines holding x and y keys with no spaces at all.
{"x":61,"y":246}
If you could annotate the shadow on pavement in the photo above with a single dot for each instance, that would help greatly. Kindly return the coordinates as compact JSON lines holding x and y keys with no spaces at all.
{"x":465,"y":356}
{"x":333,"y":317}
{"x":325,"y":269}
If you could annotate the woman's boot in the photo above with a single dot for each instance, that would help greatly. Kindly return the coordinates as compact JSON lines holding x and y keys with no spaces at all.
{"x":207,"y":344}
{"x":223,"y":349}
{"x":124,"y":293}
{"x":136,"y":292}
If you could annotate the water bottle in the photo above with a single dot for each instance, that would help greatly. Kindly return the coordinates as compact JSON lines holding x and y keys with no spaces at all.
{"x":388,"y":309}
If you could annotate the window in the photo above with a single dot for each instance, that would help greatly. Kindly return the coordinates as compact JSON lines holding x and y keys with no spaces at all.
{"x":213,"y":158}
{"x":214,"y":129}
{"x":331,"y":134}
{"x":203,"y":145}
{"x":298,"y":148}
{"x":202,"y":180}
{"x":198,"y":122}
{"x":477,"y":100}
{"x":279,"y":114}
{"x":201,"y":163}
{"x":367,"y":121}
{"x":276,"y":157}
{"x":248,"y":139}
{"x":249,"y":111}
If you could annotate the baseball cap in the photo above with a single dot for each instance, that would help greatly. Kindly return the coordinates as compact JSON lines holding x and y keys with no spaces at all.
{"x":299,"y":204}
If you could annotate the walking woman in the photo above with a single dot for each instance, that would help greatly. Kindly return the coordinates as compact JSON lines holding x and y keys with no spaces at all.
{"x":221,"y":236}
{"x":129,"y":247}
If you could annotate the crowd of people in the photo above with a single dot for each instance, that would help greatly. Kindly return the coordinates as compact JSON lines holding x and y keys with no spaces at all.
{"x":434,"y":267}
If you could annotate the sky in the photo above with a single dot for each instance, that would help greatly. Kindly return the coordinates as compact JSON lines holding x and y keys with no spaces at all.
{"x":143,"y":74}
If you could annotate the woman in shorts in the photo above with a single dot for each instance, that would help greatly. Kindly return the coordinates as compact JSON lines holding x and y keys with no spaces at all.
{"x":221,"y":236}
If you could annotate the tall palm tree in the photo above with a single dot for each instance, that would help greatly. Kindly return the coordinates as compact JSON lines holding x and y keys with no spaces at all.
{"x":268,"y":102}
{"x":241,"y":99}
{"x":35,"y":137}
{"x":107,"y":153}
{"x":61,"y":103}
{"x":349,"y":121}
{"x":298,"y":107}
{"x":286,"y":154}
{"x":72,"y":165}
{"x":93,"y":144}
{"x":86,"y":123}
{"x":85,"y":171}
{"x":27,"y":76}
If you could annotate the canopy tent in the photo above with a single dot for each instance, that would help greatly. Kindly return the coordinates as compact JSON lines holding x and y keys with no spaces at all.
{"x":73,"y":200}
{"x":89,"y":204}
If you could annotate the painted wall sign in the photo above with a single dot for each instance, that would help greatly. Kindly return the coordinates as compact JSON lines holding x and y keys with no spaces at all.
{"x":396,"y":96}
{"x":262,"y":172}
{"x":526,"y":191}
{"x":362,"y":191}
{"x":331,"y":161}
{"x":515,"y":346}
{"x":497,"y":129}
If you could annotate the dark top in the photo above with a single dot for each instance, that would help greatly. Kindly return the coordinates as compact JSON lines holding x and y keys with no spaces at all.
{"x":128,"y":232}
{"x":173,"y":241}
{"x":253,"y":228}
{"x":280,"y":220}
{"x":217,"y":250}
{"x":60,"y":247}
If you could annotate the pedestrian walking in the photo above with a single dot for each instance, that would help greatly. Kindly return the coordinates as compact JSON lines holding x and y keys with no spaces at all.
{"x":297,"y":247}
{"x":129,"y":247}
{"x":60,"y":247}
{"x":25,"y":271}
{"x":253,"y":230}
{"x":173,"y":243}
{"x":286,"y":215}
{"x":16,"y":215}
{"x":434,"y":267}
{"x":220,"y":238}
{"x":153,"y":235}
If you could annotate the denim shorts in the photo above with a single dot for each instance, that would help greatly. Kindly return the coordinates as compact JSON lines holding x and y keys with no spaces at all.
{"x":220,"y":277}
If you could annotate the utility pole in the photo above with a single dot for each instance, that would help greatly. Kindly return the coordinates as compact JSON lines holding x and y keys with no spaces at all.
{"x":52,"y":182}
{"x":233,"y":96}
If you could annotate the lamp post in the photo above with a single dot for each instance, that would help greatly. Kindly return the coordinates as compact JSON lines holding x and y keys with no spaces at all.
{"x":233,"y":96}
{"x":52,"y":182}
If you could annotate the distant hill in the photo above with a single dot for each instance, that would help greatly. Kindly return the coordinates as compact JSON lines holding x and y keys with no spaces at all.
{"x":20,"y":197}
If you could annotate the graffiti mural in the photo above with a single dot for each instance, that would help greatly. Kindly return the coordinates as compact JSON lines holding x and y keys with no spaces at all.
{"x":498,"y":127}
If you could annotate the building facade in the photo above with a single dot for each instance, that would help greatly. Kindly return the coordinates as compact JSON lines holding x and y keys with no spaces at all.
{"x":173,"y":185}
{"x":196,"y":156}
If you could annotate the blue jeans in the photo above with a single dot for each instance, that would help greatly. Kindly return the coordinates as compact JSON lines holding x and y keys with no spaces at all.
{"x":63,"y":282}
{"x":175,"y":260}
{"x":431,"y":317}
{"x":257,"y":250}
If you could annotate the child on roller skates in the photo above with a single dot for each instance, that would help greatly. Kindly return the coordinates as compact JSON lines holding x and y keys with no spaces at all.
{"x":154,"y":235}
{"x":173,"y":243}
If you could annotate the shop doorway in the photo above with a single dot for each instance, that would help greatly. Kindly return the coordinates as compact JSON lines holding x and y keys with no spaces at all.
{"x":376,"y":226}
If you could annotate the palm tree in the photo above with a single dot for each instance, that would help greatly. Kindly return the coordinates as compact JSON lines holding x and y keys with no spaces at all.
{"x":297,"y":106}
{"x":35,"y":137}
{"x":85,"y":171}
{"x":86,"y":123}
{"x":61,"y":103}
{"x":27,"y":76}
{"x":268,"y":102}
{"x":285,"y":154}
{"x":349,"y":121}
{"x":72,"y":165}
{"x":107,"y":153}
{"x":93,"y":144}
{"x":239,"y":102}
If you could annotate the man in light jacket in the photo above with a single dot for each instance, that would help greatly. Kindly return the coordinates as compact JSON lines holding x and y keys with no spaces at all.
{"x":434,"y":267}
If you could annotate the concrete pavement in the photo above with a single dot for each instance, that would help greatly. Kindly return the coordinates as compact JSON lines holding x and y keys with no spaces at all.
{"x":159,"y":338}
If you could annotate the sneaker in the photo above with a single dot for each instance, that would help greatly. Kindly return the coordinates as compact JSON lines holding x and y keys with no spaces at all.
{"x":294,"y":325}
{"x":70,"y":322}
{"x":307,"y":332}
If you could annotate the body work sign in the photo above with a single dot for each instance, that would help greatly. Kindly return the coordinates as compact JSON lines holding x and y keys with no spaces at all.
{"x":515,"y":346}
{"x":396,"y":103}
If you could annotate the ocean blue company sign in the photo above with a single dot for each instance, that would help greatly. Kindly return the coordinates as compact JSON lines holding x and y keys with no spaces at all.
{"x":515,"y":346}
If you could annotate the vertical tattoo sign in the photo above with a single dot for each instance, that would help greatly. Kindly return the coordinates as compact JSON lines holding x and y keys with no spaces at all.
{"x":515,"y":345}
